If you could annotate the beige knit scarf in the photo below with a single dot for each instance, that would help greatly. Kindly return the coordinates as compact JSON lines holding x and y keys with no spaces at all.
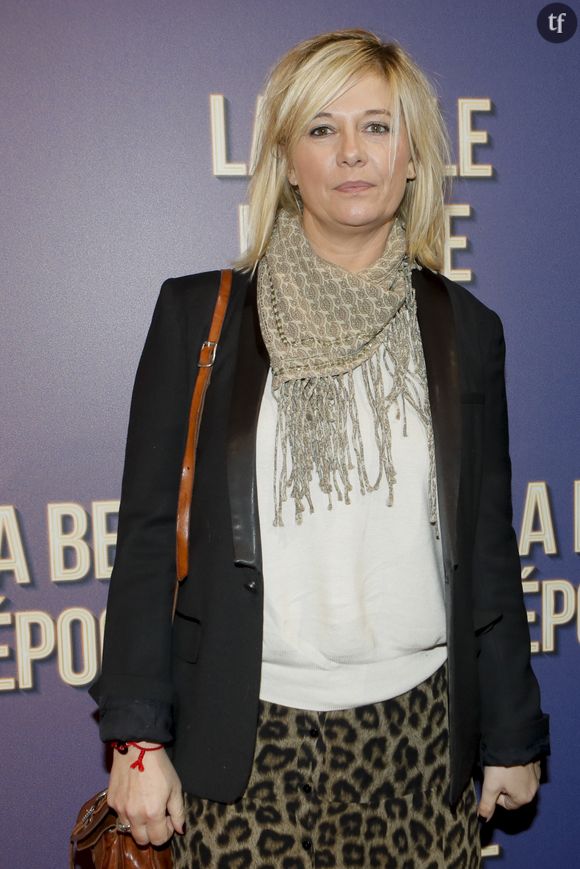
{"x":319,"y":322}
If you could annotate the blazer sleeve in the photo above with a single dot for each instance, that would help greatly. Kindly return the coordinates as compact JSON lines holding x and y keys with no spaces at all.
{"x":513,"y":728}
{"x":134,"y":690}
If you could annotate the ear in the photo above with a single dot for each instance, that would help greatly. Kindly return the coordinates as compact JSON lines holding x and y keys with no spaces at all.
{"x":411,"y":173}
{"x":291,"y":175}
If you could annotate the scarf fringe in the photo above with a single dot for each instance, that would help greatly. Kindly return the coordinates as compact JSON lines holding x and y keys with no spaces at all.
{"x":315,"y":414}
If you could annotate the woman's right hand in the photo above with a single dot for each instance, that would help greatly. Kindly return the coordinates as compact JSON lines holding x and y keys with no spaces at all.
{"x":151,"y":801}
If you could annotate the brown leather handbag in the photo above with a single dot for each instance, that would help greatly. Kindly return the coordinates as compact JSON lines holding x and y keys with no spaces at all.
{"x":96,"y":833}
{"x":96,"y":830}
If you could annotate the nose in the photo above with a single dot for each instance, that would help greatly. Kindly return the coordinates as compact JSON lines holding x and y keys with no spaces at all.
{"x":351,"y":148}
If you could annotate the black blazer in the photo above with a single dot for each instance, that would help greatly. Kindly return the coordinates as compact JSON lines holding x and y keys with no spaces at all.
{"x":197,"y":685}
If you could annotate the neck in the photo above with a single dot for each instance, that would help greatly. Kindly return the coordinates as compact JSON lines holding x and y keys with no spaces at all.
{"x":355,"y":249}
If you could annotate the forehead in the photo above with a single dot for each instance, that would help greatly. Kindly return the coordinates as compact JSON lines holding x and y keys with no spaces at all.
{"x":362,"y":93}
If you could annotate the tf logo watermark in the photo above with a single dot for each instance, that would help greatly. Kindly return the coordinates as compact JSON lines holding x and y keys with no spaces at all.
{"x":557,"y":22}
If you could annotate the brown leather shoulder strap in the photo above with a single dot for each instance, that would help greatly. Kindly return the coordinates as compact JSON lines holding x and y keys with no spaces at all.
{"x":205,"y":365}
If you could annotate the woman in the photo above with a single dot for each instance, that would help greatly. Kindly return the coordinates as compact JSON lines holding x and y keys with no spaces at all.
{"x":351,"y":638}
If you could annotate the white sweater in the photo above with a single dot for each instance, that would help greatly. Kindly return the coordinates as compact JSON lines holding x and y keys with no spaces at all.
{"x":353,"y":597}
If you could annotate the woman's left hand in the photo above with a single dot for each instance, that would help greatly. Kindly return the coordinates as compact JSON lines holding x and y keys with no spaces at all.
{"x":509,"y":787}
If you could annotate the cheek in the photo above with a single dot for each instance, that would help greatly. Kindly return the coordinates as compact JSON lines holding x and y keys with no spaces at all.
{"x":395,"y":182}
{"x":309,"y":176}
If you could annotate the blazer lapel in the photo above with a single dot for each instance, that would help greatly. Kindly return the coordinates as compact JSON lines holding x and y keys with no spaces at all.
{"x":251,"y":370}
{"x":437,"y":326}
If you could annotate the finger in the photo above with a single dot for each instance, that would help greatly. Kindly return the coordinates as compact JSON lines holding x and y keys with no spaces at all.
{"x":139,"y":833}
{"x":506,"y":802}
{"x":158,"y":831}
{"x":487,"y":802}
{"x":485,"y":811}
{"x":122,"y":822}
{"x":176,"y":810}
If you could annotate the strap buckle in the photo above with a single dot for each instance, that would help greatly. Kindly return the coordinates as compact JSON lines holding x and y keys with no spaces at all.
{"x":209,"y":357}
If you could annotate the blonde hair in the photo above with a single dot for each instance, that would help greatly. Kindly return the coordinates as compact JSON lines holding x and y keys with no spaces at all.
{"x":307,"y":78}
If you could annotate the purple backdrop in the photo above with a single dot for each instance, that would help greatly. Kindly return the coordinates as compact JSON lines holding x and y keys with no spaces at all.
{"x":108,"y":188}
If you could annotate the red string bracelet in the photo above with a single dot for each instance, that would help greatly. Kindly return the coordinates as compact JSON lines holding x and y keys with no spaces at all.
{"x":123,"y":748}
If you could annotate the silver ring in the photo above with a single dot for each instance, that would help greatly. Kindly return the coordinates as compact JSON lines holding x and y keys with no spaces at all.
{"x":123,"y":828}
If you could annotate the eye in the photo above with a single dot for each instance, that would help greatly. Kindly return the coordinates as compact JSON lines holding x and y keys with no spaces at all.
{"x":377,"y":127}
{"x":320,"y":132}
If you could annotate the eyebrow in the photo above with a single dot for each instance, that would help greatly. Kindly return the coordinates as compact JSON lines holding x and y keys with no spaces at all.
{"x":367,"y":112}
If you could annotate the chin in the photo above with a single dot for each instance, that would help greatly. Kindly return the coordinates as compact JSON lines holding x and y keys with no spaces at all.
{"x":358,"y":220}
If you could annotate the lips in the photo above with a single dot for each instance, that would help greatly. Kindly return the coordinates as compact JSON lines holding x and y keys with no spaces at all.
{"x":353,"y":186}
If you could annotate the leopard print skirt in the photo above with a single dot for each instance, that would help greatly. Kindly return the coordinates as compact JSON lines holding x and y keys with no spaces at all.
{"x":360,"y":787}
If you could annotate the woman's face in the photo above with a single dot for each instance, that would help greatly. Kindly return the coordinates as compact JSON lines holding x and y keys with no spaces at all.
{"x":342,"y":164}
